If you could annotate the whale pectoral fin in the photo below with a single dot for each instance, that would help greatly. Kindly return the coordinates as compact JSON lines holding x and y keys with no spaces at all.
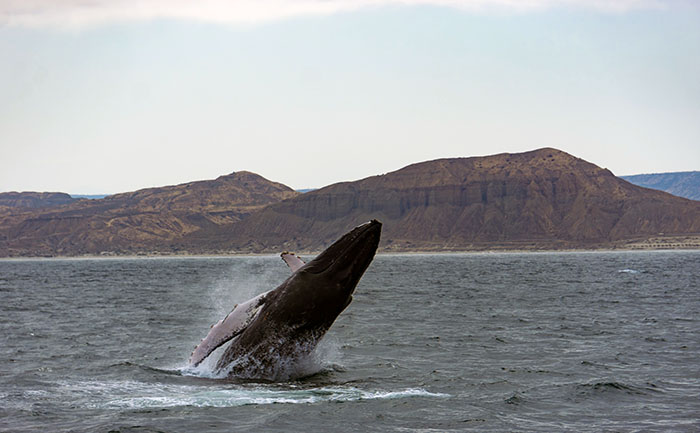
{"x":224,"y":330}
{"x":292,"y":260}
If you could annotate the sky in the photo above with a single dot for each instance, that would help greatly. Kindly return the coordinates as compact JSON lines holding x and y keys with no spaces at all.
{"x":110,"y":96}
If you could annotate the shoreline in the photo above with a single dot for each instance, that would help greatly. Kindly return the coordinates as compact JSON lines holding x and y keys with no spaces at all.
{"x":416,"y":252}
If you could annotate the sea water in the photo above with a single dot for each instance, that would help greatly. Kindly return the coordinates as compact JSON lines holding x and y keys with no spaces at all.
{"x":595,"y":341}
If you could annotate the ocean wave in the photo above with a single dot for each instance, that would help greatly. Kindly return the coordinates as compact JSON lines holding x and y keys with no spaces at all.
{"x":616,"y":387}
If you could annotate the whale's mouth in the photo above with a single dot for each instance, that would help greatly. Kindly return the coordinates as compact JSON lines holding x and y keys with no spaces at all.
{"x":354,"y":250}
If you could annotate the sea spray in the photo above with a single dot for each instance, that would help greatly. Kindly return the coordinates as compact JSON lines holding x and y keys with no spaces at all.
{"x":246,"y":279}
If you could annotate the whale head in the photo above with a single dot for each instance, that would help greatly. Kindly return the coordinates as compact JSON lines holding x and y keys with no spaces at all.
{"x":321,"y":289}
{"x":340,"y":266}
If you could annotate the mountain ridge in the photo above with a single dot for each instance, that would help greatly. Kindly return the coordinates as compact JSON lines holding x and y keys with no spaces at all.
{"x":539,"y":199}
{"x":681,"y":183}
{"x":137,"y":221}
{"x":542,"y":199}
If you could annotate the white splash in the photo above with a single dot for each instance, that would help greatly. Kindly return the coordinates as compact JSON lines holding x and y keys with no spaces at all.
{"x":246,"y":279}
{"x":140,"y":395}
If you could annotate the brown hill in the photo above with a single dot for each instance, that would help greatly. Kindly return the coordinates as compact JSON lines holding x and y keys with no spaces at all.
{"x":34,"y":200}
{"x":540,"y":199}
{"x":141,"y":221}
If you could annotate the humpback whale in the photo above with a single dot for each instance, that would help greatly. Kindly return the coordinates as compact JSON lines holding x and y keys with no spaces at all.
{"x":272,"y":331}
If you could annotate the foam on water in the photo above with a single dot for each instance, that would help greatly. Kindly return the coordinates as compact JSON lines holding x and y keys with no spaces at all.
{"x":140,"y":395}
{"x":628,"y":271}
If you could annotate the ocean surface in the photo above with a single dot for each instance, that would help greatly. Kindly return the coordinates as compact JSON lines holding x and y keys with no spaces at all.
{"x":585,"y":342}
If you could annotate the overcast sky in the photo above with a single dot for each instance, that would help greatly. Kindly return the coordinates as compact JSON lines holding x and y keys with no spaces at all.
{"x":110,"y":96}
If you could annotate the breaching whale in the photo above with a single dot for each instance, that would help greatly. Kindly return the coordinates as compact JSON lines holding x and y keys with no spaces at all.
{"x":276,"y":329}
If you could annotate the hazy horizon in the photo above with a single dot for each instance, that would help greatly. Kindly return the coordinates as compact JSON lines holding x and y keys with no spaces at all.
{"x":102,"y":99}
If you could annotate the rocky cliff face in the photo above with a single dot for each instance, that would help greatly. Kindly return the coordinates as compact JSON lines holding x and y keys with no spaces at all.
{"x":545,"y":198}
{"x":140,"y":221}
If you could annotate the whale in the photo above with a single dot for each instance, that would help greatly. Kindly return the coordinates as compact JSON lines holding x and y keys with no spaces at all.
{"x":274,"y":331}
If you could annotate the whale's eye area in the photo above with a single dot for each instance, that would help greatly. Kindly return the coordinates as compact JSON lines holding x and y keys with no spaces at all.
{"x":346,"y":249}
{"x":317,"y":266}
